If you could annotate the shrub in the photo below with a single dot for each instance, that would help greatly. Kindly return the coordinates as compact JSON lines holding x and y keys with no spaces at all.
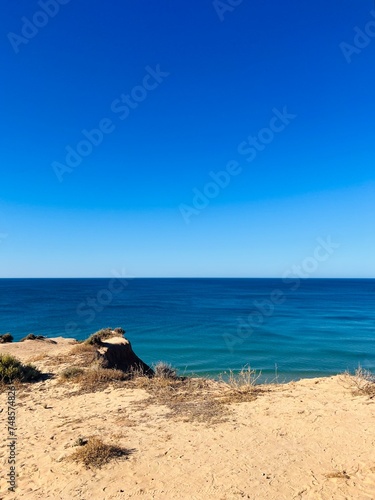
{"x":165,"y":370}
{"x":71,"y":372}
{"x":105,"y":333}
{"x":7,"y":337}
{"x":31,"y":336}
{"x":95,"y":453}
{"x":11,"y":370}
{"x":91,"y":378}
{"x":363,"y":382}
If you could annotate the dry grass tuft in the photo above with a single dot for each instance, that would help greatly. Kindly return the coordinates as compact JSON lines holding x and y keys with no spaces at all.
{"x":94,"y":453}
{"x":81,"y":349}
{"x":98,"y":376}
{"x":38,"y":357}
{"x":84,"y":354}
{"x":72,"y":372}
{"x":92,"y":379}
{"x":362,"y":383}
{"x":164,"y":370}
{"x":337,"y":475}
{"x":240,"y":387}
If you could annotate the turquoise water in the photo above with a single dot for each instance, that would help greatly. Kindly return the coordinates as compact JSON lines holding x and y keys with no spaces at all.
{"x":306,"y":328}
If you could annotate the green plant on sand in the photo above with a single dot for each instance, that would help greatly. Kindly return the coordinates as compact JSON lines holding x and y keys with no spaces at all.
{"x":105,"y":333}
{"x":12,"y":370}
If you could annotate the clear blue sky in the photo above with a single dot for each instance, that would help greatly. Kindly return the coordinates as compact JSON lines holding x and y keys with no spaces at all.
{"x":218,"y":82}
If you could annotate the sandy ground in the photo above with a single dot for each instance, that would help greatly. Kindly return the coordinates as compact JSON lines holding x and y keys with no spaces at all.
{"x":287,"y":444}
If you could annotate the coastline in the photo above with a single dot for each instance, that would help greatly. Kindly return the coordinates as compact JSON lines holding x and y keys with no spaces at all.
{"x":307,"y":439}
{"x":202,"y":326}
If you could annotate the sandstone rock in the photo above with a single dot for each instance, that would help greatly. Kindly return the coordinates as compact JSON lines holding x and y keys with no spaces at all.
{"x":117,"y":353}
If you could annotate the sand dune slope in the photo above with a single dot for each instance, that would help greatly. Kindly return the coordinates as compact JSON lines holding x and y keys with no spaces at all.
{"x":306,"y":440}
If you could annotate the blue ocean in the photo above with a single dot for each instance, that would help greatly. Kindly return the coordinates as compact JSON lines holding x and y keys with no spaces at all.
{"x":286,"y":328}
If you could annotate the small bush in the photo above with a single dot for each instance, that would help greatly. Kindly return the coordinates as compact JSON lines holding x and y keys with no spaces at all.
{"x":95,"y":453}
{"x":164,"y":370}
{"x":31,"y":336}
{"x":105,"y":333}
{"x":72,"y":372}
{"x":363,"y":382}
{"x":7,"y":337}
{"x":11,"y":370}
{"x":97,"y":376}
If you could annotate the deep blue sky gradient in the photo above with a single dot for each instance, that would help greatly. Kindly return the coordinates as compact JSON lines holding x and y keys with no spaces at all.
{"x":120,"y":207}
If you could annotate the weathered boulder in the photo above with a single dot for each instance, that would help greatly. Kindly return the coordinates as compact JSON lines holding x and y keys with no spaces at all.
{"x":117,"y":353}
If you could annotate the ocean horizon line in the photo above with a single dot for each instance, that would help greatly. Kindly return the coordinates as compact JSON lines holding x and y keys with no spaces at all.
{"x":189,"y":277}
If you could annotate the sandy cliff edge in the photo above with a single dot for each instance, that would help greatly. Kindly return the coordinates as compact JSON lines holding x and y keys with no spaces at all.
{"x":311,"y":439}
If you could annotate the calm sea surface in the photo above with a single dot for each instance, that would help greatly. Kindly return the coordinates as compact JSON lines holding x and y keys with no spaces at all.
{"x":306,"y":328}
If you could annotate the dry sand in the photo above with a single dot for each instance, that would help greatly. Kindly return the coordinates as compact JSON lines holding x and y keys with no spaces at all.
{"x":311,"y":439}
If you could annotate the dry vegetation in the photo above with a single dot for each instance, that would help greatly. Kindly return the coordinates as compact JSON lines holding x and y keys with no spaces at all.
{"x":92,"y":379}
{"x":38,"y":357}
{"x":362,"y":383}
{"x":164,"y":370}
{"x":188,"y":398}
{"x":93,"y":453}
{"x":105,"y":333}
{"x":191,"y":399}
{"x":83,"y":354}
{"x":199,"y":399}
{"x":337,"y":475}
{"x":71,"y":373}
{"x":241,"y":386}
